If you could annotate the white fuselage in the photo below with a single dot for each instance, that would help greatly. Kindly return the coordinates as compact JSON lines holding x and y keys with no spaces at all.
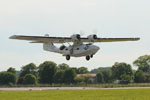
{"x":75,"y":51}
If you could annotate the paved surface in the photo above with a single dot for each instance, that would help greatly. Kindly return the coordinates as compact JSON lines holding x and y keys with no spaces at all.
{"x":66,"y":88}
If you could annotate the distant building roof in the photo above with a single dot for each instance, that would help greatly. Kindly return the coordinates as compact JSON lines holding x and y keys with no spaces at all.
{"x":86,"y":75}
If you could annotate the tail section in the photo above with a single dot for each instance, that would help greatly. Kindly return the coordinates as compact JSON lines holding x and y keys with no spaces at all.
{"x":48,"y":46}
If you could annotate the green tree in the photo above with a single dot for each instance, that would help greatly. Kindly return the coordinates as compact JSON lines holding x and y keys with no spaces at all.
{"x":107,"y":76}
{"x":30,"y":79}
{"x":100,"y":77}
{"x":82,"y":70}
{"x":101,"y":69}
{"x":75,"y":69}
{"x":139,"y":77}
{"x":79,"y":80}
{"x":29,"y":69}
{"x":143,"y":63}
{"x":148,"y":78}
{"x":125,"y":79}
{"x":47,"y":71}
{"x":20,"y":80}
{"x":12,"y":70}
{"x":7,"y":78}
{"x":63,"y":66}
{"x":88,"y":80}
{"x":69,"y":76}
{"x":59,"y":77}
{"x":119,"y":69}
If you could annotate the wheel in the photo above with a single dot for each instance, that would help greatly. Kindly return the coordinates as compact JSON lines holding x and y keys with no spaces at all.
{"x":68,"y":57}
{"x":87,"y":57}
{"x":91,"y":56}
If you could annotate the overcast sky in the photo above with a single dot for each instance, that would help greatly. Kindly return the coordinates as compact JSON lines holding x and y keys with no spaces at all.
{"x":110,"y":18}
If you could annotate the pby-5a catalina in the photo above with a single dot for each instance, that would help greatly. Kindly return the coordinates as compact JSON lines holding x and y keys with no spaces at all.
{"x":80,"y":47}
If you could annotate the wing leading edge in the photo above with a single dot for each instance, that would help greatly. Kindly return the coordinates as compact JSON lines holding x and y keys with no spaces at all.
{"x":45,"y":39}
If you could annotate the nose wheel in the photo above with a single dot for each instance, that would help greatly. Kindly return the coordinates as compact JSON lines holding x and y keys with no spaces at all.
{"x":68,"y":57}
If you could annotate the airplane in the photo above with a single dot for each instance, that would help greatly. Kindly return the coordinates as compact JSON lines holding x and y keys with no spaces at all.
{"x":81,"y":47}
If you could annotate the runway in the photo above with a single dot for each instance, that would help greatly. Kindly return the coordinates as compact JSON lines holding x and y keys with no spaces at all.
{"x":66,"y":88}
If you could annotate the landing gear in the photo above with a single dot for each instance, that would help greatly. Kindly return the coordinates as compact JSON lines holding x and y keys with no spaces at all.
{"x":87,"y":58}
{"x":68,"y":57}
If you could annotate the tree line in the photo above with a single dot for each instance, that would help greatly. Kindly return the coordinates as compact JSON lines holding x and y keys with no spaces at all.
{"x":49,"y":72}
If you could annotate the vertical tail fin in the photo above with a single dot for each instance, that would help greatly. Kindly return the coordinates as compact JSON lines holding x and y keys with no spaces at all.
{"x":48,"y":46}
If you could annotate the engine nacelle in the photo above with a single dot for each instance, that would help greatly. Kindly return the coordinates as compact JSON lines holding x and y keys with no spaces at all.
{"x":76,"y":37}
{"x":92,"y":37}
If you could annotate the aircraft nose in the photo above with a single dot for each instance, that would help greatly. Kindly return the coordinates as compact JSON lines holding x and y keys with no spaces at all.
{"x":96,"y":48}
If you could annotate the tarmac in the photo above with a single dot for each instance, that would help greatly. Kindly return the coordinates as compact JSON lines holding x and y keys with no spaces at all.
{"x":66,"y":88}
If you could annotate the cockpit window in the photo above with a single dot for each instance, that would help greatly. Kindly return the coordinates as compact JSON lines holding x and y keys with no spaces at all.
{"x":89,"y":44}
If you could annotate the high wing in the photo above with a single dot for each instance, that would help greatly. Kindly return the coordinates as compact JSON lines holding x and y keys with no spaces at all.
{"x":42,"y":39}
{"x":112,"y":39}
{"x":46,"y":39}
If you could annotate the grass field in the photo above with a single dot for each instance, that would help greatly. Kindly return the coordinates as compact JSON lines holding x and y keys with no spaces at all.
{"x":131,"y":94}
